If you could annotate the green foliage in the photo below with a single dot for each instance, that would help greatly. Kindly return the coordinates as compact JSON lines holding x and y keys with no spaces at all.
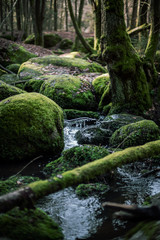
{"x":29,"y":225}
{"x":65,"y":44}
{"x":74,"y":157}
{"x":13,"y":183}
{"x":86,"y":190}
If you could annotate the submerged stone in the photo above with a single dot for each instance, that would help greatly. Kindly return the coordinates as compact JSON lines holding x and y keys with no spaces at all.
{"x":29,"y":224}
{"x":30,"y":125}
{"x":135,"y":134}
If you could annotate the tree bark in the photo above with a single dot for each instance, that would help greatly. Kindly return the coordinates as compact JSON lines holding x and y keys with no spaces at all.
{"x":55,"y":15}
{"x":84,"y":174}
{"x":18,"y":15}
{"x":78,"y":32}
{"x":130,"y":90}
{"x":134,"y":14}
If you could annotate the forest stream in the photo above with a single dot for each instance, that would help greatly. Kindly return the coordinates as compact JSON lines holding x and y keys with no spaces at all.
{"x":85,"y":218}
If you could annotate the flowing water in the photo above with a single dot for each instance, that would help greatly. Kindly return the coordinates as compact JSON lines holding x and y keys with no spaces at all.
{"x":85,"y":218}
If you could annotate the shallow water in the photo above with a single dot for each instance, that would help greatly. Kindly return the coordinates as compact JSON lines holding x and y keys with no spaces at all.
{"x":85,"y":218}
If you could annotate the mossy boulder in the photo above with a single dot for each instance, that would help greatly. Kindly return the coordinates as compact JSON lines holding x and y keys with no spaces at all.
{"x":65,"y":43}
{"x":87,"y":190}
{"x":33,"y":85}
{"x":50,"y":39}
{"x":45,"y":65}
{"x":30,"y":125}
{"x":9,"y":78}
{"x":69,"y":92}
{"x":100,"y":83}
{"x":81,"y":48}
{"x":73,"y":113}
{"x":135,"y":134}
{"x":147,"y":230}
{"x":93,"y":135}
{"x":15,"y":182}
{"x":115,"y":121}
{"x":14,"y":67}
{"x":75,"y":157}
{"x":29,"y":224}
{"x":71,"y":55}
{"x":12,"y":53}
{"x":7,"y":90}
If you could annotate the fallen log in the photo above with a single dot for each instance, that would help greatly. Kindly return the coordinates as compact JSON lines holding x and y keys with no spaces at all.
{"x":78,"y":175}
{"x":138,"y":29}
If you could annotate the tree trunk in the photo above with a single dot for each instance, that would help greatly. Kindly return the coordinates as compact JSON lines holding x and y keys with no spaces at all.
{"x":127,"y":13}
{"x":134,"y":14}
{"x":130,"y":90}
{"x":83,"y":174}
{"x":66,"y":15}
{"x":18,"y":15}
{"x":96,"y":5}
{"x":11,"y":20}
{"x":78,"y":32}
{"x":143,"y":11}
{"x":55,"y":15}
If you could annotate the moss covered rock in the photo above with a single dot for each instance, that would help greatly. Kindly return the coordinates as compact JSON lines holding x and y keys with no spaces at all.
{"x":14,"y":67}
{"x":100,"y":84}
{"x":73,"y":113}
{"x":75,"y":157}
{"x":43,"y":65}
{"x":14,"y":183}
{"x":135,"y":134}
{"x":29,"y":225}
{"x":9,"y":78}
{"x":65,"y":43}
{"x":50,"y":39}
{"x":34,"y":84}
{"x":86,"y":190}
{"x":7,"y":90}
{"x":13,"y":53}
{"x":69,"y":92}
{"x":30,"y":125}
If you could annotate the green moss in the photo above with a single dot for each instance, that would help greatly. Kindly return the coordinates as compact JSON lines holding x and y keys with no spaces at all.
{"x":33,"y":85}
{"x":81,"y":48}
{"x":30,"y":125}
{"x":69,"y":92}
{"x":9,"y":78}
{"x":72,"y":113}
{"x":65,"y":43}
{"x":157,"y":60}
{"x":30,"y":39}
{"x":100,"y":83}
{"x":74,"y":157}
{"x":13,"y":67}
{"x":106,"y":97}
{"x":135,"y":134}
{"x":14,"y":183}
{"x":7,"y":90}
{"x":29,"y":224}
{"x":86,"y":190}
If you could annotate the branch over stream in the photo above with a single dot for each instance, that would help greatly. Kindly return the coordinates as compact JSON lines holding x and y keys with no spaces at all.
{"x":25,"y":196}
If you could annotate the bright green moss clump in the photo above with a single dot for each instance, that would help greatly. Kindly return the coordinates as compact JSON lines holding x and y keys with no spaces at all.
{"x":69,"y":92}
{"x":100,"y":83}
{"x":30,"y":125}
{"x":135,"y":134}
{"x":7,"y":90}
{"x":28,"y":225}
{"x":75,"y":157}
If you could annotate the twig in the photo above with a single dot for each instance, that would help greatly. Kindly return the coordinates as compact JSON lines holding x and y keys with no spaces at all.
{"x":26,"y":166}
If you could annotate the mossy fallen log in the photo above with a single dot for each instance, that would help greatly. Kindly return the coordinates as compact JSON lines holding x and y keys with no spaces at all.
{"x":83,"y":174}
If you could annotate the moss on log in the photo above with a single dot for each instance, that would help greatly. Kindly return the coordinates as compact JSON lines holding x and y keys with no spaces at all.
{"x":79,"y":175}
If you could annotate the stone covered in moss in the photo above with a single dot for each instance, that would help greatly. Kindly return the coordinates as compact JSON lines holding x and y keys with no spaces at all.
{"x":86,"y":190}
{"x":29,"y":225}
{"x":9,"y":78}
{"x":81,"y":48}
{"x":75,"y":157}
{"x":69,"y":92}
{"x":39,"y":66}
{"x":13,"y":67}
{"x":71,"y":55}
{"x":65,"y":43}
{"x":30,"y":125}
{"x":34,"y":84}
{"x":7,"y":90}
{"x":135,"y":134}
{"x":15,"y":182}
{"x":73,"y":113}
{"x":13,"y":53}
{"x":100,"y":83}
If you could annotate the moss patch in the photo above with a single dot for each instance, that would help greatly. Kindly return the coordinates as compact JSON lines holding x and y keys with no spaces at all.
{"x":7,"y":90}
{"x":75,"y":157}
{"x":29,"y":225}
{"x":135,"y":134}
{"x":13,"y":67}
{"x":86,"y":190}
{"x":69,"y":92}
{"x":65,"y":44}
{"x":30,"y":125}
{"x":100,"y":83}
{"x":73,"y":113}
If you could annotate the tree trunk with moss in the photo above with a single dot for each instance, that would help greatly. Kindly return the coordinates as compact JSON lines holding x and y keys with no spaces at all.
{"x":25,"y":196}
{"x":78,"y":32}
{"x":130,"y":88}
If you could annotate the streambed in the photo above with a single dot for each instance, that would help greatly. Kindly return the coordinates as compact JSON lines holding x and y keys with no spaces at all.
{"x":85,"y":218}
